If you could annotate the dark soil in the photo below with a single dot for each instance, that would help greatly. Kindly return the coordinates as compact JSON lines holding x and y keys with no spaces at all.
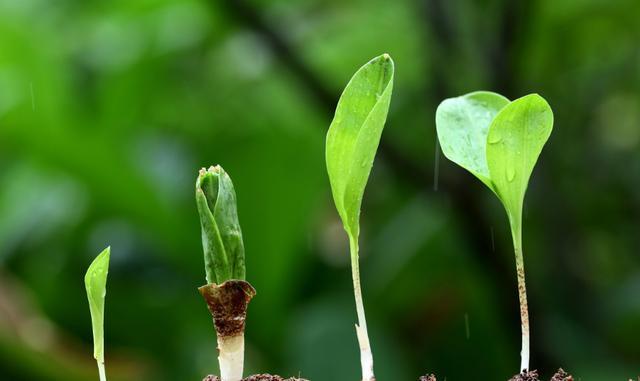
{"x":560,"y":375}
{"x":258,"y":377}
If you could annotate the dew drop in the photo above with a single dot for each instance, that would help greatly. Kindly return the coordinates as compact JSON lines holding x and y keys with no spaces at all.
{"x":511,"y":173}
{"x":495,"y":139}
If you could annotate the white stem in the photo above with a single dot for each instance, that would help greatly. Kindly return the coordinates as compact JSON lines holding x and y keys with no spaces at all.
{"x":231,"y":357}
{"x":522,"y":296}
{"x":103,"y":375}
{"x":366,"y":356}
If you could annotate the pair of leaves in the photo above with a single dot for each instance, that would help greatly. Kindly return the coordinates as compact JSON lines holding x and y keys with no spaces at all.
{"x":95,"y":281}
{"x":496,"y":140}
{"x":354,"y":136}
{"x":221,"y":234}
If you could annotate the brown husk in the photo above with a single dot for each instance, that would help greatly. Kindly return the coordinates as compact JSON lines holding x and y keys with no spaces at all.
{"x":227,"y":303}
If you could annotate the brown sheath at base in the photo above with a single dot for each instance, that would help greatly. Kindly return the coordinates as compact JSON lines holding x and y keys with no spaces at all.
{"x":227,"y":303}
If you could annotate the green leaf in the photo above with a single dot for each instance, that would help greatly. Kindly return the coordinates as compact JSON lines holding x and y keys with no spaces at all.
{"x":463,"y":125}
{"x":221,"y":234}
{"x":354,"y":135}
{"x":95,"y":281}
{"x":516,"y":137}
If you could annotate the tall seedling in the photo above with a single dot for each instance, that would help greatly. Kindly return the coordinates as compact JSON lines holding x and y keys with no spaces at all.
{"x":352,"y":142}
{"x":95,"y":281}
{"x":227,"y":293}
{"x":499,"y":142}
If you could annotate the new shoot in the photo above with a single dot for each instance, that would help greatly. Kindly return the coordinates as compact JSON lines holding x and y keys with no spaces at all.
{"x":95,"y":281}
{"x":499,"y":142}
{"x":227,"y":293}
{"x":352,"y":142}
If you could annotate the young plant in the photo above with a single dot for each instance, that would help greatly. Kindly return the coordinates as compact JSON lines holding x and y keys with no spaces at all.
{"x":227,"y":293}
{"x":95,"y":281}
{"x":499,"y":142}
{"x":352,"y":142}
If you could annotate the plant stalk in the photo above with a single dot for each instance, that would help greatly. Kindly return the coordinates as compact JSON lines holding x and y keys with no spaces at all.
{"x":366,"y":356}
{"x":522,"y":295}
{"x":101,"y":371}
{"x":231,"y":357}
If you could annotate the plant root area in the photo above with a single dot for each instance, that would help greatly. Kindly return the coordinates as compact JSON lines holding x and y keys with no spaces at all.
{"x":560,"y":375}
{"x":258,"y":377}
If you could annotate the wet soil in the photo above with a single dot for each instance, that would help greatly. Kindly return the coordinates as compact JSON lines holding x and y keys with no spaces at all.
{"x":560,"y":375}
{"x":258,"y":377}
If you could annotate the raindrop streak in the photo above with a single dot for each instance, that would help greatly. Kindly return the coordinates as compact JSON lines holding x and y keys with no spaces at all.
{"x":436,"y":166}
{"x":33,"y":98}
{"x":466,"y":326}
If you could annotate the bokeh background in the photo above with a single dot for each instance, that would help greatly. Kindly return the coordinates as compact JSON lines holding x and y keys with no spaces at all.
{"x":108,"y":108}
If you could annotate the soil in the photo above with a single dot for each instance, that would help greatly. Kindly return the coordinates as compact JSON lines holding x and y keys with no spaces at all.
{"x":227,"y":303}
{"x":258,"y":377}
{"x":560,"y":375}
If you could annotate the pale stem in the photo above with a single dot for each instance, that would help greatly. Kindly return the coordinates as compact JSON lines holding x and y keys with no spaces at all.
{"x":522,"y":294}
{"x":231,"y":357}
{"x":366,"y":357}
{"x":103,"y":375}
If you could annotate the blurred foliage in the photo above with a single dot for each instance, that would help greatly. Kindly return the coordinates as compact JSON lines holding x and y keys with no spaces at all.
{"x":107,"y":110}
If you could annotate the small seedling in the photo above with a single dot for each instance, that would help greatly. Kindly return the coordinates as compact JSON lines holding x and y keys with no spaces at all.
{"x":227,"y":293}
{"x":499,"y":142}
{"x":95,"y":281}
{"x":352,"y":142}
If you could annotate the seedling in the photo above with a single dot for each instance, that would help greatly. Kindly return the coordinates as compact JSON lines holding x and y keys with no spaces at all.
{"x":352,"y":142}
{"x":95,"y":281}
{"x":499,"y":142}
{"x":227,"y":293}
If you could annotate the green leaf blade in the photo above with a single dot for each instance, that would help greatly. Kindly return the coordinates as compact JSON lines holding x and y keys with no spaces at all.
{"x":516,"y":138}
{"x":95,"y":281}
{"x":354,"y":136}
{"x":463,"y":124}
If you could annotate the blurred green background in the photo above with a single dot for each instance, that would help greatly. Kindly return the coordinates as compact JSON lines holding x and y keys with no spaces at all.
{"x":108,"y":108}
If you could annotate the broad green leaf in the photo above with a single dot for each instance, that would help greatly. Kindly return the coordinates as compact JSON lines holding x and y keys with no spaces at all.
{"x":463,"y":124}
{"x":221,"y":234}
{"x":354,"y":136}
{"x":515,"y":140}
{"x":95,"y":281}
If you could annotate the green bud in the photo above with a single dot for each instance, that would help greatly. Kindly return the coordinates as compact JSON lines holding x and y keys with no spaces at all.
{"x":221,"y":234}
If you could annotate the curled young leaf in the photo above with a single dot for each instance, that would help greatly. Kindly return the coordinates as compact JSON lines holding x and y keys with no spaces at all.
{"x":221,"y":234}
{"x":354,"y":135}
{"x":95,"y":281}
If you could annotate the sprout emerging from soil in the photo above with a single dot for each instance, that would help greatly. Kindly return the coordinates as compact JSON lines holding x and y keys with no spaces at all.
{"x":352,"y":142}
{"x":499,"y":142}
{"x":95,"y":281}
{"x":227,"y":293}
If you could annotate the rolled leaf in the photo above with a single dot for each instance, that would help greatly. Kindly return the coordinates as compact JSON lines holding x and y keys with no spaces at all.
{"x":221,"y":234}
